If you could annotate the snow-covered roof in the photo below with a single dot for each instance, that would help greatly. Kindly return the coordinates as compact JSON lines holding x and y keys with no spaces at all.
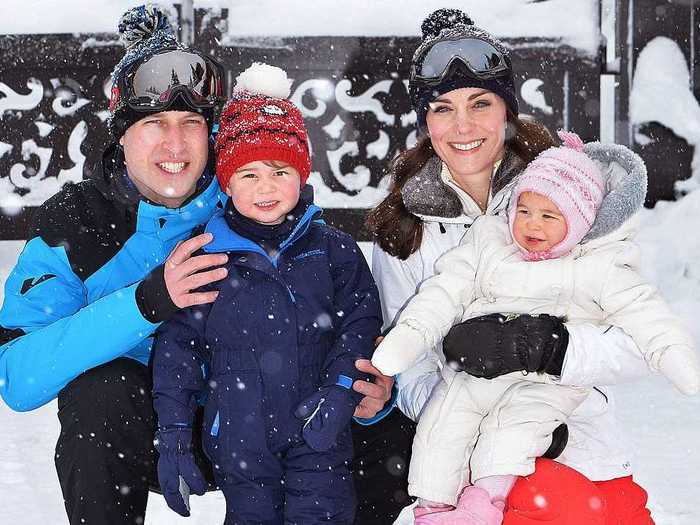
{"x":574,"y":22}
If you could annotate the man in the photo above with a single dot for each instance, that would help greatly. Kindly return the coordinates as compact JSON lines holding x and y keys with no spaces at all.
{"x":107,"y":261}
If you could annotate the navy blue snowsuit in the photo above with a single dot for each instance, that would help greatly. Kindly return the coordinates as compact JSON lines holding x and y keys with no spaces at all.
{"x":282,"y":326}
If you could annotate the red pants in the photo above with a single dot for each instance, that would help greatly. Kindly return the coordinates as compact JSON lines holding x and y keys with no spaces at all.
{"x":558,"y":495}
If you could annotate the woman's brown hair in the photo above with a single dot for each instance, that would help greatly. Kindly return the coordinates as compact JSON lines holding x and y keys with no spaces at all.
{"x":400,"y":233}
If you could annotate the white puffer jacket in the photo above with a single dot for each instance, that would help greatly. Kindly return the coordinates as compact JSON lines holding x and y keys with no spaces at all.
{"x":598,"y":282}
{"x":594,"y":357}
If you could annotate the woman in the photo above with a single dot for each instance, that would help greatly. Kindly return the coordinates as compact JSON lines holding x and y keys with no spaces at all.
{"x":474,"y":146}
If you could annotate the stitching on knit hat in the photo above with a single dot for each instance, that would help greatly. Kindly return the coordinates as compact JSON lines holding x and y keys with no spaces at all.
{"x":556,"y":183}
{"x":463,"y":30}
{"x":556,"y":159}
{"x":261,"y":131}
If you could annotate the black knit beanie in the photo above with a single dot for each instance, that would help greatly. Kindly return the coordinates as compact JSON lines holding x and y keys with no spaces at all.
{"x":445,"y":24}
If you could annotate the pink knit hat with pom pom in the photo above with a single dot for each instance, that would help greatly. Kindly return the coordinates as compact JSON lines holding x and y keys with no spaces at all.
{"x":572,"y":181}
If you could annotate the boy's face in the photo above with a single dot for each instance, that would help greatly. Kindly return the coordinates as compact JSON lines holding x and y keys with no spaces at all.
{"x":538,"y":224}
{"x":264,"y":191}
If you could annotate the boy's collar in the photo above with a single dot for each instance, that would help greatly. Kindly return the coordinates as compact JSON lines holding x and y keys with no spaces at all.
{"x":228,"y":239}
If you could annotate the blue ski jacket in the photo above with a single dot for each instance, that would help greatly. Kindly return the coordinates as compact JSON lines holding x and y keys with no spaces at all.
{"x":70,"y":301}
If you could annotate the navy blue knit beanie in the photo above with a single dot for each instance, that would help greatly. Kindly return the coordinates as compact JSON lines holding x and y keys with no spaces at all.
{"x":449,"y":24}
{"x":145,"y":30}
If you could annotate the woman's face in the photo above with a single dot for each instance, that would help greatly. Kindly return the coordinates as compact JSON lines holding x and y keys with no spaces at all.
{"x":467,"y":129}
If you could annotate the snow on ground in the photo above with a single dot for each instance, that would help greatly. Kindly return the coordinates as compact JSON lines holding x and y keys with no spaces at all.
{"x":662,"y":425}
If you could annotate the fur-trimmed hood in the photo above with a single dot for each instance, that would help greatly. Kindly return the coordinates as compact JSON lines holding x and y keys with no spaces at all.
{"x":427,"y":196}
{"x":625,"y":187}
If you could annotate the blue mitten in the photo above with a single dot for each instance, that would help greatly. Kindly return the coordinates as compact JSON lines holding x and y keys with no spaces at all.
{"x":178,"y":474}
{"x":326,"y":414}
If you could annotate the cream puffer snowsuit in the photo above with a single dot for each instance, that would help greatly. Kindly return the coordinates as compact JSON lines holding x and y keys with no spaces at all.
{"x":596,"y":284}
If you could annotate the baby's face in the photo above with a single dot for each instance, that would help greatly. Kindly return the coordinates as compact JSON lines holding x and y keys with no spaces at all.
{"x":538,"y":224}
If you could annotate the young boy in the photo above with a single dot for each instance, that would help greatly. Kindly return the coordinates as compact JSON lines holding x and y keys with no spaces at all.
{"x":474,"y":434}
{"x":275,"y":353}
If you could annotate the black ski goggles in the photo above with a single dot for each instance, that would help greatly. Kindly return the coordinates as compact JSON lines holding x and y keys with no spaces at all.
{"x":481,"y":59}
{"x":151,"y":85}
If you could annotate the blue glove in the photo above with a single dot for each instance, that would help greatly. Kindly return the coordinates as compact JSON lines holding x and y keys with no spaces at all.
{"x":177,"y":472}
{"x":326,"y":414}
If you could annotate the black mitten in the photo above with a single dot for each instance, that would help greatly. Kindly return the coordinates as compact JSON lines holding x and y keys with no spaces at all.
{"x":493,"y":345}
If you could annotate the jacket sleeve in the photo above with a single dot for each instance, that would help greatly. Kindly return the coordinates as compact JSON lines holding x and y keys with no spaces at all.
{"x":50,"y":333}
{"x":357,"y":319}
{"x":179,"y":369}
{"x":428,"y":317}
{"x":599,"y":357}
{"x":398,"y":281}
{"x":634,"y":305}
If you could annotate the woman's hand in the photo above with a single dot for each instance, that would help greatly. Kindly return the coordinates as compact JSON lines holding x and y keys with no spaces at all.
{"x":376,"y":393}
{"x":493,"y":345}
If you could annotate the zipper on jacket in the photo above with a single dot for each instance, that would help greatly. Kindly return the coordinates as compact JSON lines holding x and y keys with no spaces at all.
{"x":215,"y":425}
{"x":289,"y":291}
{"x":442,"y":228}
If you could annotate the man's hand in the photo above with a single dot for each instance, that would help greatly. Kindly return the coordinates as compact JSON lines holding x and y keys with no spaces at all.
{"x":376,"y":393}
{"x":182,"y":272}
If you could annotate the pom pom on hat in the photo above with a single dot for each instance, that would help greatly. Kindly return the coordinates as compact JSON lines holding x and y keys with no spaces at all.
{"x":264,"y":79}
{"x":260,"y":123}
{"x":442,"y":19}
{"x":143,"y":22}
{"x":571,"y":140}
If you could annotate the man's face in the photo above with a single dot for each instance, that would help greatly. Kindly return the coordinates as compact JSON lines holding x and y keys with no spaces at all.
{"x":165,"y":155}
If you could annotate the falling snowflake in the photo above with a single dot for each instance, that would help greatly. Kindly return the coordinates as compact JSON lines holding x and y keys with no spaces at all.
{"x":324,"y":320}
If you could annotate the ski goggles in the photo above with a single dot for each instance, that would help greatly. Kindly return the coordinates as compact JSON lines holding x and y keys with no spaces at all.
{"x":152,"y":84}
{"x":482,"y":60}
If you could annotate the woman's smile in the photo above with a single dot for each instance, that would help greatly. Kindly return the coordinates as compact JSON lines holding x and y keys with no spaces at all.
{"x":467,"y":146}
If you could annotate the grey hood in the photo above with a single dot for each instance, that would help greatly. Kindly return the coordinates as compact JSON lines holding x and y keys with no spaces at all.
{"x":625,"y":187}
{"x":426,"y":195}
